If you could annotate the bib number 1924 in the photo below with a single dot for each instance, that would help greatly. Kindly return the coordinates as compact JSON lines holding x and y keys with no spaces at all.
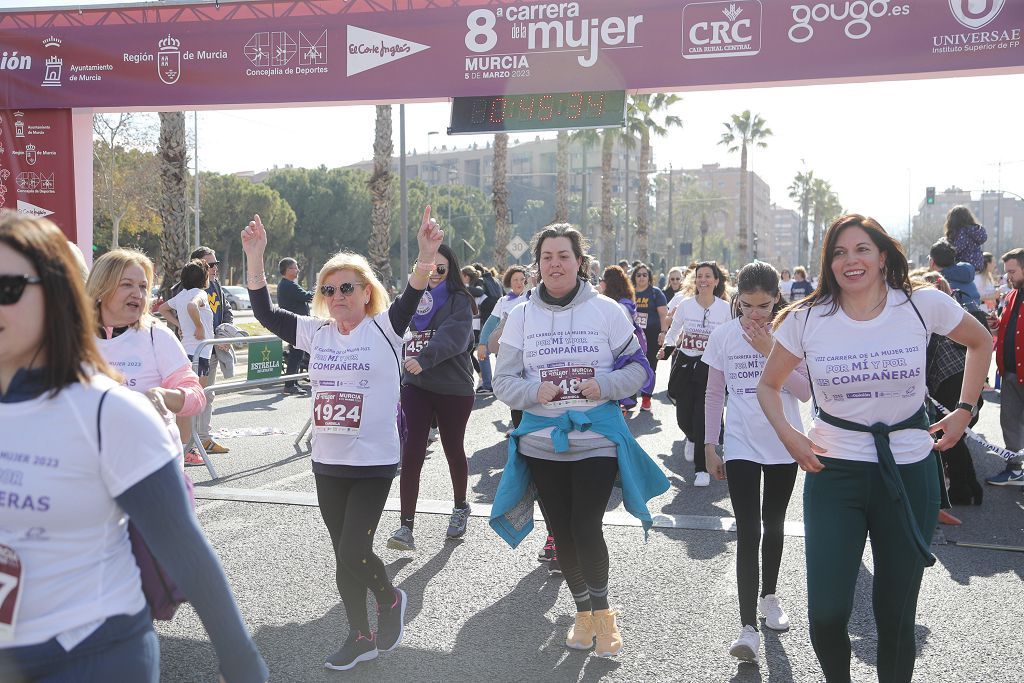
{"x":337,"y":412}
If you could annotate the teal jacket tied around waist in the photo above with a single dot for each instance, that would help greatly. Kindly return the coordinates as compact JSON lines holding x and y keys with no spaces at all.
{"x":639,"y":476}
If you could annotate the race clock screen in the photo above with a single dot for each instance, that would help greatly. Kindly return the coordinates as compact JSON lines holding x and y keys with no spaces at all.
{"x":546,"y":111}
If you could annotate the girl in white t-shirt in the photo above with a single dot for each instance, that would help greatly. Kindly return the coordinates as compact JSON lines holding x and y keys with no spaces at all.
{"x":694,"y":321}
{"x":189,"y":311}
{"x":735,"y":354}
{"x":147,"y":354}
{"x":80,"y":455}
{"x":869,"y":457}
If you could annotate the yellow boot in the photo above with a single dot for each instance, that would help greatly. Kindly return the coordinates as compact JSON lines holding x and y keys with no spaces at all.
{"x":609,"y":640}
{"x":581,"y":635}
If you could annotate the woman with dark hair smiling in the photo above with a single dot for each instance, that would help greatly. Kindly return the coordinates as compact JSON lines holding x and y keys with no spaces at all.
{"x":437,"y":384}
{"x":91,"y":453}
{"x":694,"y":321}
{"x":566,"y":356}
{"x":871,"y":471}
{"x":652,"y":318}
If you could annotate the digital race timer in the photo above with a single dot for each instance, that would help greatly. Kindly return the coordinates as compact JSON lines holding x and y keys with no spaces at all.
{"x":548,"y":111}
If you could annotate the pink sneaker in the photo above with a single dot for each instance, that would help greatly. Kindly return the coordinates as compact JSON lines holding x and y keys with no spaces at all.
{"x":193,"y":458}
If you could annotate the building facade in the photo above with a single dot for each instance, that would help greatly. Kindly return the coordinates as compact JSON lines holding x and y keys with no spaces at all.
{"x":1001,"y":214}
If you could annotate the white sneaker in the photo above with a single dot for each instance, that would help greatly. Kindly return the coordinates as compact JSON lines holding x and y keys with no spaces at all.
{"x":432,"y":435}
{"x":775,"y":617}
{"x":746,"y":648}
{"x":702,"y":479}
{"x":688,"y":451}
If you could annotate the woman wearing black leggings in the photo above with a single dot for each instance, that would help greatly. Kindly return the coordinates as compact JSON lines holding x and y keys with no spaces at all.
{"x":354,"y":339}
{"x":735,"y":355}
{"x":651,"y":316}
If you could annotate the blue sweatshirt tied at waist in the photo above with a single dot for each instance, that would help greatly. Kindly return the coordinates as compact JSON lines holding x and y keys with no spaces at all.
{"x":639,"y":476}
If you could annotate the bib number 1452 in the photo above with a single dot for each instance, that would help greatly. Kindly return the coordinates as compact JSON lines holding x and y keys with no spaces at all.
{"x":337,"y":412}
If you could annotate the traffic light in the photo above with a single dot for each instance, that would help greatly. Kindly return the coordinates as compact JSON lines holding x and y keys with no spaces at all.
{"x":929,"y":195}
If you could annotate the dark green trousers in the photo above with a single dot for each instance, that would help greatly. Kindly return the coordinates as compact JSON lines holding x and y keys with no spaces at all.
{"x":845,"y":504}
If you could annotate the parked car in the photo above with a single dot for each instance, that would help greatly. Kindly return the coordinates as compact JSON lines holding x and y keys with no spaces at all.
{"x":237,"y":297}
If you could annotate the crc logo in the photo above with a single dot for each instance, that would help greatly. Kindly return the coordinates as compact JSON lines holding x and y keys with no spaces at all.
{"x":976,"y":14}
{"x":721,"y":29}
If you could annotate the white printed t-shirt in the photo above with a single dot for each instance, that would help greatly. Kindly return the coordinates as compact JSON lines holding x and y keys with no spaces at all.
{"x":567,"y":347}
{"x":748,"y":434}
{"x":505,"y":305}
{"x":870,"y":371}
{"x":179,"y":302}
{"x":691,"y":328}
{"x":145,"y":356}
{"x":57,"y":505}
{"x":355,"y":382}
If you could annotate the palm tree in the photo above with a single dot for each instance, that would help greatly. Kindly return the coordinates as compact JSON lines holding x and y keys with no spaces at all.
{"x":562,"y":178}
{"x":800,"y":191}
{"x":608,"y":136}
{"x":499,"y":199}
{"x":585,"y":138}
{"x":380,"y":193}
{"x":173,"y":153}
{"x":648,"y":109}
{"x":826,"y":206}
{"x":741,"y":132}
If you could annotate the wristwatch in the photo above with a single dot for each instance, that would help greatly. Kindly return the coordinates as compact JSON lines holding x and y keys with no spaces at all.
{"x":969,"y":407}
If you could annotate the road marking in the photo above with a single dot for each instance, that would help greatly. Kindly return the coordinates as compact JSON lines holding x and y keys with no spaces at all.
{"x":222,"y":501}
{"x":226,"y":494}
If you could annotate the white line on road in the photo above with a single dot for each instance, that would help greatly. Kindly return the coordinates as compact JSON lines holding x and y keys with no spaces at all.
{"x":263,"y":494}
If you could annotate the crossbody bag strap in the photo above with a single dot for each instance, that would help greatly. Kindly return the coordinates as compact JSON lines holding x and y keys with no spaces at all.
{"x":99,"y":414}
{"x":392,"y":347}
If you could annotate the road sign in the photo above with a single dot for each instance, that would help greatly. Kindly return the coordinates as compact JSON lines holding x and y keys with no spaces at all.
{"x":517,"y":246}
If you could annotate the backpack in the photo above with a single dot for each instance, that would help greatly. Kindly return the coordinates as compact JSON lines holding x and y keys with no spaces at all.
{"x":971,"y":306}
{"x":493,"y":291}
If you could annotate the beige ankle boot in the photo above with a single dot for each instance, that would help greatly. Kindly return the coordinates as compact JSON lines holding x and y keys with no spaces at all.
{"x":609,"y":640}
{"x":581,"y":635}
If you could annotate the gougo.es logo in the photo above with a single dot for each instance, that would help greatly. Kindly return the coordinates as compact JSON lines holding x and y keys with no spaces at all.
{"x":857,"y":15}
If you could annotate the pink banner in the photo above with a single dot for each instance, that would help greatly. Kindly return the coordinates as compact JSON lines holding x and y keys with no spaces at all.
{"x":338,"y":50}
{"x":37,"y":171}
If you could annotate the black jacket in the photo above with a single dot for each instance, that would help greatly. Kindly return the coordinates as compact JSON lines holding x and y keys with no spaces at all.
{"x":292,"y":297}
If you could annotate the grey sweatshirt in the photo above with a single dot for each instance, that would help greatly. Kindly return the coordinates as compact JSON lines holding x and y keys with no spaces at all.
{"x":447,"y":367}
{"x":512,"y":388}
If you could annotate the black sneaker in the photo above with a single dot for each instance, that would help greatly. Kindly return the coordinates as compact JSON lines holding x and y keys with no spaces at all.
{"x":357,"y":648}
{"x":553,"y":566}
{"x":391,"y":622}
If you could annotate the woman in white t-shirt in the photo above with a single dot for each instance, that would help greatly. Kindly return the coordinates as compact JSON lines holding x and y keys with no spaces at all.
{"x":869,"y":457}
{"x":692,"y":324}
{"x":80,"y":454}
{"x":146,"y":353}
{"x":189,"y":311}
{"x":355,"y":414}
{"x":786,"y":285}
{"x":736,"y":353}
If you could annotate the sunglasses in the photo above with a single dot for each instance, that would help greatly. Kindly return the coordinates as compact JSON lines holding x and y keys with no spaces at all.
{"x":441,"y":270}
{"x":12,"y":287}
{"x":345,"y":288}
{"x":212,"y":264}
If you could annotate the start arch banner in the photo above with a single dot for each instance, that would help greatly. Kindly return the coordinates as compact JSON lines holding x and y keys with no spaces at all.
{"x":304,"y":51}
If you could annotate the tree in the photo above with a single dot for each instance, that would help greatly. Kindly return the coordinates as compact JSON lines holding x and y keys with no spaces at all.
{"x":608,"y":246}
{"x":123,"y":171}
{"x":649,"y":110}
{"x":499,"y":190}
{"x":826,"y":206}
{"x":801,"y":192}
{"x":585,"y":138}
{"x":381,"y":193}
{"x":741,"y":132}
{"x":173,"y":153}
{"x":562,"y":178}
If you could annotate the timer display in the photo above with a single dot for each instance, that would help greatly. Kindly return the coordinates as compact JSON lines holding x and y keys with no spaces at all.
{"x":546,"y":111}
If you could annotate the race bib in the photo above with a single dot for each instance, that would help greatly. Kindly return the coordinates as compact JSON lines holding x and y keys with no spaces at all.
{"x":337,"y":412}
{"x":693,"y":341}
{"x":414,"y":345}
{"x":641,"y":319}
{"x":568,"y":379}
{"x":10,"y":591}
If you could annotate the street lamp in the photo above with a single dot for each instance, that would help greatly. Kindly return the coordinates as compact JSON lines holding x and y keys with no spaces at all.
{"x":429,"y":167}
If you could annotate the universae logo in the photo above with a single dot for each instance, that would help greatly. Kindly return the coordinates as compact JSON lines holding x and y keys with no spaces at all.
{"x":721,"y":29}
{"x":975,"y":14}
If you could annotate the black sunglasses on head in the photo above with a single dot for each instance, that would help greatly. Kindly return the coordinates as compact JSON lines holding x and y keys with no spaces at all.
{"x":13,"y":286}
{"x":345,"y":288}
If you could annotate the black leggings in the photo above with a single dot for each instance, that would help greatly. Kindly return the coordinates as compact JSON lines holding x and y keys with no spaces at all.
{"x":693,"y":385}
{"x":744,"y":479}
{"x":351,"y":509}
{"x":574,"y":496}
{"x":652,"y":349}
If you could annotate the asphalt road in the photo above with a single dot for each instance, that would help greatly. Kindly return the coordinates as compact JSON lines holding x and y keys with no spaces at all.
{"x":480,"y":611}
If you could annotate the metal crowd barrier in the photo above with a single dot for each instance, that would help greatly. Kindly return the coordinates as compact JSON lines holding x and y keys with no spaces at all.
{"x":231,"y":387}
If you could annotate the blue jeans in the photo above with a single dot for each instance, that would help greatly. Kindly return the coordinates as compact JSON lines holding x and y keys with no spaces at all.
{"x":123,"y":648}
{"x":485,"y":372}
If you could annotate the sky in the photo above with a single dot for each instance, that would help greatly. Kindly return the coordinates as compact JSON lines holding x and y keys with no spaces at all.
{"x":879,"y":144}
